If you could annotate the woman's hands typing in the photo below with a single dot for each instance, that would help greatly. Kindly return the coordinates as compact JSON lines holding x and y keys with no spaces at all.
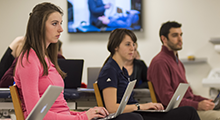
{"x":154,"y":106}
{"x":96,"y":112}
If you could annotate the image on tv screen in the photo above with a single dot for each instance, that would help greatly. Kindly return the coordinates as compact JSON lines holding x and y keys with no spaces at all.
{"x":103,"y":15}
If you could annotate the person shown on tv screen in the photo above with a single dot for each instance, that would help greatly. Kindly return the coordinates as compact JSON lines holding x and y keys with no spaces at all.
{"x":97,"y":9}
{"x":121,"y":21}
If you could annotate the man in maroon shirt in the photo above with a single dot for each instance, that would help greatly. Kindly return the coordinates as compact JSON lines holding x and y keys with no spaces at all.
{"x":166,"y":71}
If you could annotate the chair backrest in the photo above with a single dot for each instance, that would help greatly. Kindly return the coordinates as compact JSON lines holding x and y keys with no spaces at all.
{"x":98,"y":95}
{"x":152,"y":93}
{"x":16,"y":102}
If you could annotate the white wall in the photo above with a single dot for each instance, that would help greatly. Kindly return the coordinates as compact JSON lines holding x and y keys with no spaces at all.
{"x":200,"y":19}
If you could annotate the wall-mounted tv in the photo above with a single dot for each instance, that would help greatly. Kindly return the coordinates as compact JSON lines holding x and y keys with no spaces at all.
{"x":104,"y":15}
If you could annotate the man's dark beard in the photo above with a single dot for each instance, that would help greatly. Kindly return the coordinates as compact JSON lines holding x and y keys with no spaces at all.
{"x":172,"y":46}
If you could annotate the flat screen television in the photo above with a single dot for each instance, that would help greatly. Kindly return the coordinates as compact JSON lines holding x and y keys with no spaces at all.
{"x":104,"y":15}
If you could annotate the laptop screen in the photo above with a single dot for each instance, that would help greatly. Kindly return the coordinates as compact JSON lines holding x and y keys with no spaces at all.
{"x":93,"y":73}
{"x":73,"y":68}
{"x":45,"y":102}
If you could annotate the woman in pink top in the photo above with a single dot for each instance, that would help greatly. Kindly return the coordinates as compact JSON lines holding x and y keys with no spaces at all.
{"x":37,"y":66}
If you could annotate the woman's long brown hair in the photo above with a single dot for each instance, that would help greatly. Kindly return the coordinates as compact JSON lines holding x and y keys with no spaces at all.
{"x":35,"y":36}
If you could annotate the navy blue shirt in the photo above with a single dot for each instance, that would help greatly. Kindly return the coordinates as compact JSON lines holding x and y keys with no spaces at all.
{"x":112,"y":76}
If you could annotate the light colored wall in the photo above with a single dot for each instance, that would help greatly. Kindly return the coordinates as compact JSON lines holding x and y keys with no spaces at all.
{"x":200,"y":19}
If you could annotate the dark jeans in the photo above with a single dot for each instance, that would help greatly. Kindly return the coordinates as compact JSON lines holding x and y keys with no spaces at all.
{"x":129,"y":116}
{"x":180,"y":113}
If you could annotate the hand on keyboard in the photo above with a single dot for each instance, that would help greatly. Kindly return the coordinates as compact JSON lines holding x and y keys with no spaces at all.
{"x":110,"y":116}
{"x":96,"y":112}
{"x":151,"y":106}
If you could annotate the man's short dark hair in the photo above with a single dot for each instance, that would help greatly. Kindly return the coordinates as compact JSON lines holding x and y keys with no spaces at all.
{"x":165,"y":28}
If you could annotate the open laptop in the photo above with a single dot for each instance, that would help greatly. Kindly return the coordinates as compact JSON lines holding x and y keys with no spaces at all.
{"x":123,"y":102}
{"x":175,"y":100}
{"x":45,"y":103}
{"x":93,"y":73}
{"x":74,"y":69}
{"x":217,"y":102}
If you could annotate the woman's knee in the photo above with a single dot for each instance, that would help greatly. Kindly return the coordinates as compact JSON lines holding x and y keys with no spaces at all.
{"x":188,"y":109}
{"x":129,"y":116}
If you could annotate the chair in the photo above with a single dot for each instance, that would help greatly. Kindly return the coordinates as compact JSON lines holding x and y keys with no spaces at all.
{"x":152,"y":93}
{"x":16,"y":102}
{"x":98,"y":95}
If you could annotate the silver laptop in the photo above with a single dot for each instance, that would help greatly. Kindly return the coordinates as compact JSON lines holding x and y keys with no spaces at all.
{"x":45,"y":103}
{"x":217,"y":102}
{"x":175,"y":100}
{"x":93,"y":73}
{"x":123,"y":102}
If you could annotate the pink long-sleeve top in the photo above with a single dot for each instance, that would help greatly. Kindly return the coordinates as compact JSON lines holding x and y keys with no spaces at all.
{"x":31,"y":85}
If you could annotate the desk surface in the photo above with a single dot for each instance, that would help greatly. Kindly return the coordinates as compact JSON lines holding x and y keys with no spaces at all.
{"x":138,"y":93}
{"x":86,"y":96}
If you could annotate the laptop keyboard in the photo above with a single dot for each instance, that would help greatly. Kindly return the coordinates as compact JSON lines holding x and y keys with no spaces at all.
{"x":110,"y":116}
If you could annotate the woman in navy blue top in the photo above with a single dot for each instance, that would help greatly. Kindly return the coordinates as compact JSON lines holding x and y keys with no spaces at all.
{"x":113,"y":80}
